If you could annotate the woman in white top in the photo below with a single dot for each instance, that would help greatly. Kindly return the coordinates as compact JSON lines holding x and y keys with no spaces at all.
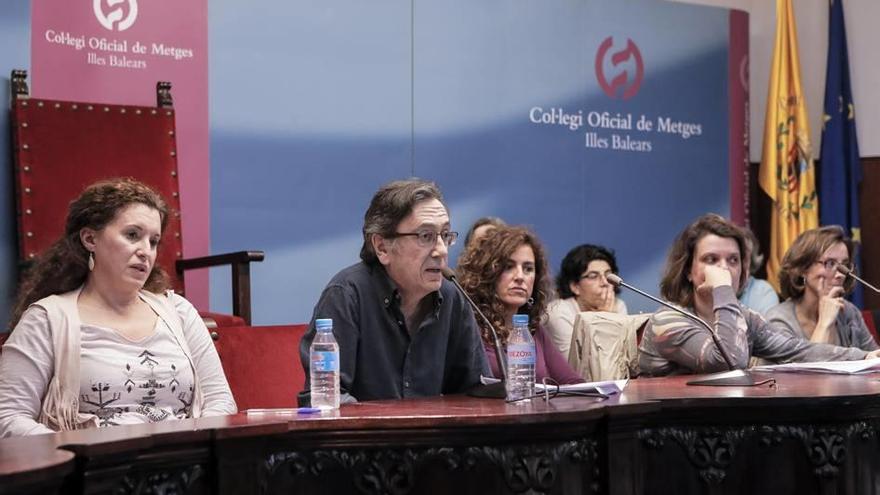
{"x":581,"y":286}
{"x":97,"y":339}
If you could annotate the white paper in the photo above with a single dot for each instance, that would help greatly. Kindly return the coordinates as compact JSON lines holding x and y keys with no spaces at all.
{"x":608,"y":387}
{"x":832,"y":367}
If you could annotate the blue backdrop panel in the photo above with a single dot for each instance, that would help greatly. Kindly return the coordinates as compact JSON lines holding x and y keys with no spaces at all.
{"x":15,"y":52}
{"x":314,"y":106}
{"x":310,"y":113}
{"x":479,"y":75}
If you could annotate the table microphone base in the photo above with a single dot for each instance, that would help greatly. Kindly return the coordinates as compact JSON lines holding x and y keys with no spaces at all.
{"x":736,"y":378}
{"x":491,"y":391}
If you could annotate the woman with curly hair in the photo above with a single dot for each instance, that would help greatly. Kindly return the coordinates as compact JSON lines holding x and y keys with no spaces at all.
{"x":98,"y":341}
{"x":505,"y":273}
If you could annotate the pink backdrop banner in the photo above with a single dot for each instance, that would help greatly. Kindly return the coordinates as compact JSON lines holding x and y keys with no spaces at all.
{"x":114,"y":51}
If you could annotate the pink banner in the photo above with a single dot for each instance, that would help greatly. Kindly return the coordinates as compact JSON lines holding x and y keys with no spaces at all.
{"x":114,"y":51}
{"x":738,"y":87}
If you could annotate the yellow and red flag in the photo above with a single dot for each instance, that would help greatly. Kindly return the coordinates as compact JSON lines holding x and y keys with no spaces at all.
{"x":787,"y":172}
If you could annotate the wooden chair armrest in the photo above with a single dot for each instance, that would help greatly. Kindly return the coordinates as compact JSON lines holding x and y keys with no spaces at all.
{"x":240,"y":262}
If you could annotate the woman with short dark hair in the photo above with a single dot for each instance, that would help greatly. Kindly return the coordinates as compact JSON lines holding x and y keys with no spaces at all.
{"x":814,"y":308}
{"x":706,"y":268}
{"x":582,"y":286}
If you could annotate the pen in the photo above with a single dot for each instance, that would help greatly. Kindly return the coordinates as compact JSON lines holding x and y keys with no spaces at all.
{"x":299,"y":410}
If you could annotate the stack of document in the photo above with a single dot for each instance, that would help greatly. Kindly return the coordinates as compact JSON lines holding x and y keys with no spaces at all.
{"x":831,"y":367}
{"x":606,"y":388}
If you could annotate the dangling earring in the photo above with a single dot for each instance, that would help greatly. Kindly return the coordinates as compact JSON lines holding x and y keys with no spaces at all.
{"x":530,"y":302}
{"x":91,"y":261}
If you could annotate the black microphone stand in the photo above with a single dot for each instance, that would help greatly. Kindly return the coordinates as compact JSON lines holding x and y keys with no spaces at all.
{"x":849,"y":273}
{"x":733,"y":378}
{"x":492,"y":390}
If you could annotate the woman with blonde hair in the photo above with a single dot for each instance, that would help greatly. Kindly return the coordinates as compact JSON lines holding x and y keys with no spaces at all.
{"x":97,"y":338}
{"x":814,"y":308}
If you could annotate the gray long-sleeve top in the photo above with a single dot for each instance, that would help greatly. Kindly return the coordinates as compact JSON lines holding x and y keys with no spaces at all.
{"x":851,"y":330}
{"x":674,"y":344}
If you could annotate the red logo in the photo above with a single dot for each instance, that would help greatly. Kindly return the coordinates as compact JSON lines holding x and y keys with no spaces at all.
{"x":621,"y":80}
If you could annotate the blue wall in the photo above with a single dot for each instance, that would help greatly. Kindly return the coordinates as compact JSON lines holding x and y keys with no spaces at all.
{"x":14,"y":54}
{"x":313,"y":106}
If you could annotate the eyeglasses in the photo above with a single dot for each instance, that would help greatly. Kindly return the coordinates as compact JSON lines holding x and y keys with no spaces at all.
{"x":428,"y":238}
{"x":593,"y":276}
{"x":551,"y":390}
{"x":831,"y":265}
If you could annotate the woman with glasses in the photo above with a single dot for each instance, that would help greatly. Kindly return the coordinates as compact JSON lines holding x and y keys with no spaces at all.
{"x":505,"y":272}
{"x":813,"y":288}
{"x":581,"y":286}
{"x":706,"y":269}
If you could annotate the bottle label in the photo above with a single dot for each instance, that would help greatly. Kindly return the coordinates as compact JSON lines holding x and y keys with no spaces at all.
{"x":325,"y":361}
{"x":520,"y":354}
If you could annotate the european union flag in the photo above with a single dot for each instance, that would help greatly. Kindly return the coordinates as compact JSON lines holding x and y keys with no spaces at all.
{"x":840,"y":170}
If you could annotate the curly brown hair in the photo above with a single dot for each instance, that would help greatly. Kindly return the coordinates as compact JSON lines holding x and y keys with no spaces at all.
{"x":806,"y":251}
{"x":63,"y":267}
{"x":482,"y":264}
{"x":675,"y":286}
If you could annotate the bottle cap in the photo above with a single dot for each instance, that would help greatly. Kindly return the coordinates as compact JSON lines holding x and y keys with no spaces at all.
{"x":520,"y":320}
{"x":325,"y":324}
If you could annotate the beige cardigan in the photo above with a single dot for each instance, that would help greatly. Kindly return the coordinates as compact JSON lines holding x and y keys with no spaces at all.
{"x":60,"y":409}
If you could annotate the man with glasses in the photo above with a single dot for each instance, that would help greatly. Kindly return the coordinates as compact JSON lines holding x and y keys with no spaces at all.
{"x":403,"y":331}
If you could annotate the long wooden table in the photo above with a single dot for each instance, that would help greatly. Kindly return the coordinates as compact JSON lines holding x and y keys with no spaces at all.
{"x":807,"y":434}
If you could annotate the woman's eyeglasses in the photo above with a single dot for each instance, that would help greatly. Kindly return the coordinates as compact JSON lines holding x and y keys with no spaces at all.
{"x":831,"y":265}
{"x":593,"y":276}
{"x":552,"y":390}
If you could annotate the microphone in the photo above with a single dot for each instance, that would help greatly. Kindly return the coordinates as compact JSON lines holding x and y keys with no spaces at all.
{"x":494,"y":390}
{"x":734,"y":377}
{"x":849,"y":273}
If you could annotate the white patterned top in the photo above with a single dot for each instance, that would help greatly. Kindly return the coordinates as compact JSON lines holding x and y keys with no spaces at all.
{"x":128,"y":382}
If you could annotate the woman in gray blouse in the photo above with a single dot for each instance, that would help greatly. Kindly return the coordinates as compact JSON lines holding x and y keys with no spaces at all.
{"x":706,"y":267}
{"x":813,"y":288}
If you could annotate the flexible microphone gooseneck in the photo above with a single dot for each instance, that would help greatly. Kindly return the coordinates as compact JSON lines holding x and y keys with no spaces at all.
{"x":734,"y":377}
{"x":494,"y":390}
{"x":849,"y":273}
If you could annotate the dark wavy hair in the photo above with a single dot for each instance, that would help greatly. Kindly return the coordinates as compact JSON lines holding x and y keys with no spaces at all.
{"x":804,"y":252}
{"x":575,"y":263}
{"x":63,"y":267}
{"x":482,"y":264}
{"x":389,"y":206}
{"x":675,"y":286}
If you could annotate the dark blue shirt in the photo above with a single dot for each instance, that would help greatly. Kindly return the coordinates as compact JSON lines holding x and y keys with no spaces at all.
{"x":378,"y":357}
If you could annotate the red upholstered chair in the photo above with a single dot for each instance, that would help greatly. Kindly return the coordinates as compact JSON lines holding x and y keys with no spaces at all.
{"x":871,"y":322}
{"x":262,"y":364}
{"x":60,"y":147}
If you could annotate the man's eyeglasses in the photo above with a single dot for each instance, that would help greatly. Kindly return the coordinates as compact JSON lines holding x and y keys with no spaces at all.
{"x":831,"y":265}
{"x":593,"y":276}
{"x":428,"y":238}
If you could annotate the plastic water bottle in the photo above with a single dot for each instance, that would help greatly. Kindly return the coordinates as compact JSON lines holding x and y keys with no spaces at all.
{"x":324,"y":366}
{"x":521,"y":356}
